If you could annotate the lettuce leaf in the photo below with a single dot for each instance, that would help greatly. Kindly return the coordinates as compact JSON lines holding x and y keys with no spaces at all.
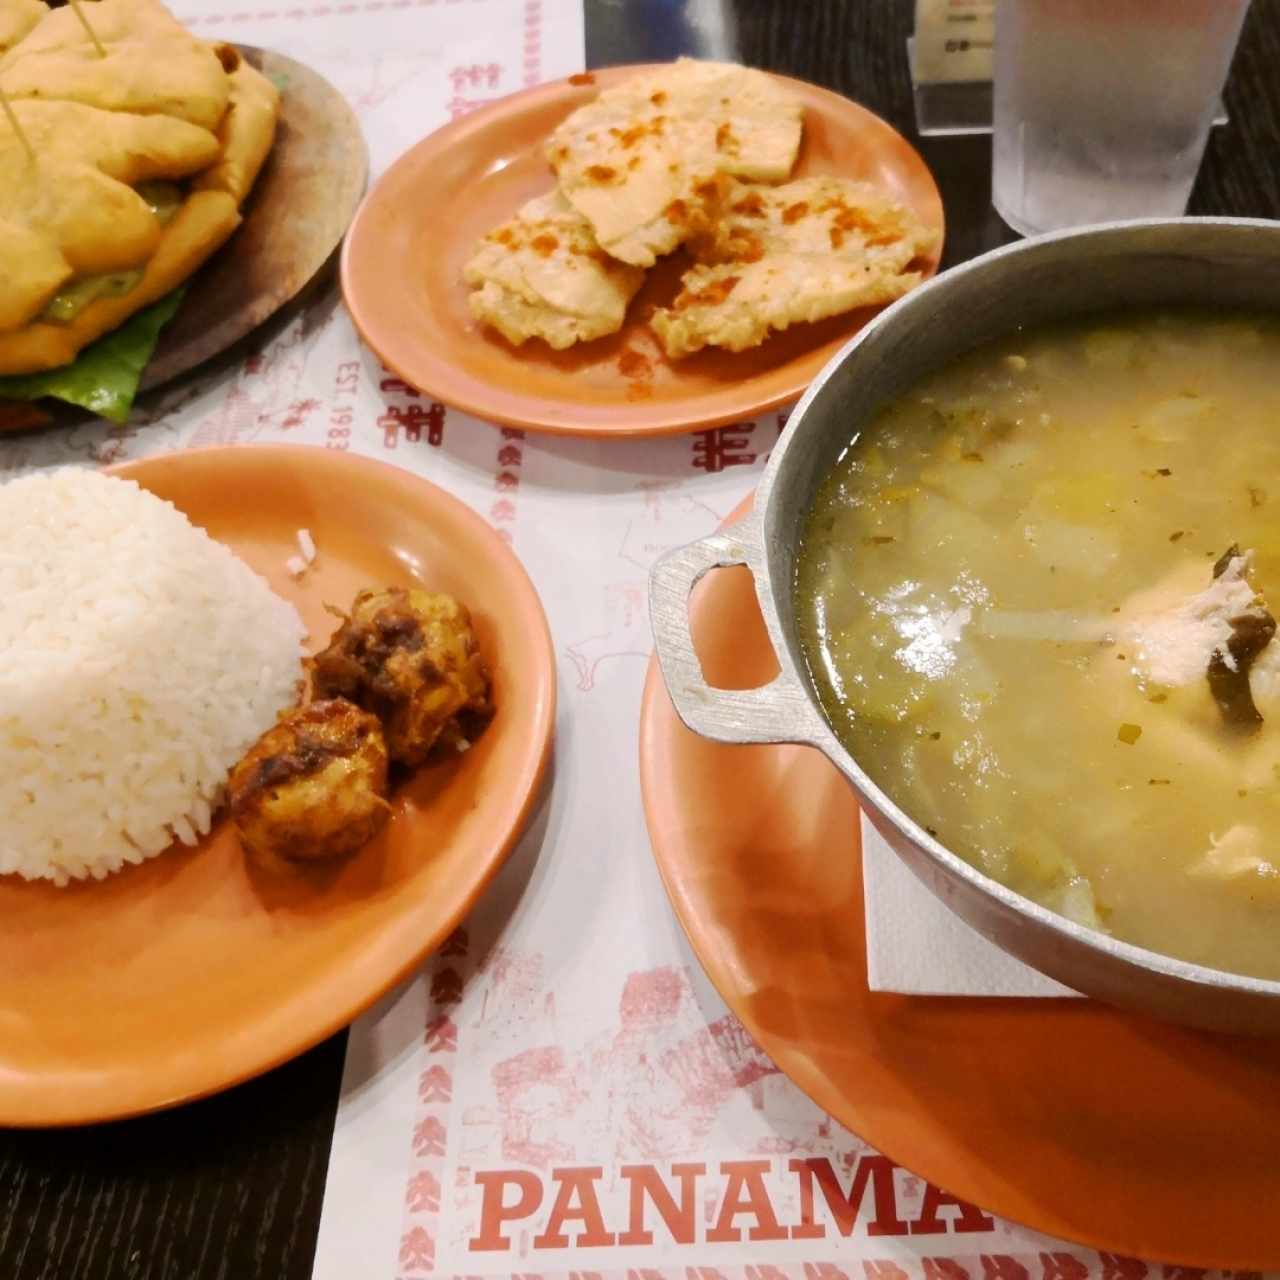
{"x":104,"y":377}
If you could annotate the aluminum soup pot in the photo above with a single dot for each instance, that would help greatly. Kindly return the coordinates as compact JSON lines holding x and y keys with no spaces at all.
{"x":1225,"y":262}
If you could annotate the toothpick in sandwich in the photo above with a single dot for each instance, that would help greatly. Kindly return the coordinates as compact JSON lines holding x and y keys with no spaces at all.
{"x":89,"y":31}
{"x":16,"y":127}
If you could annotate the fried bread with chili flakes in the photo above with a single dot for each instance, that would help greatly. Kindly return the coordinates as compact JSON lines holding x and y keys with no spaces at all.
{"x":542,"y":275}
{"x":642,"y":161}
{"x":778,"y":256}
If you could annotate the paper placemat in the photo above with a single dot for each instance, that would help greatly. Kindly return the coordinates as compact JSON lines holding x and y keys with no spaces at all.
{"x":559,"y":1092}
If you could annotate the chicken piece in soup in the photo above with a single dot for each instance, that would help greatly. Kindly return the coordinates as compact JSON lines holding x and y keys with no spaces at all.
{"x":1034,"y":597}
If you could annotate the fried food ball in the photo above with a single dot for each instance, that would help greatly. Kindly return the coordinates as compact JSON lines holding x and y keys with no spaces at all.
{"x":314,"y":786}
{"x":409,"y":657}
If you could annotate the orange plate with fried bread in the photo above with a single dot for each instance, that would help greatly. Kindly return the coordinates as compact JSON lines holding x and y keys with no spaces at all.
{"x":1085,"y":1123}
{"x":404,"y":254}
{"x":198,"y":969}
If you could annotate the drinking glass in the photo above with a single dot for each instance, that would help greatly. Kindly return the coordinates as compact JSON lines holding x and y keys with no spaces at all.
{"x":1102,"y":107}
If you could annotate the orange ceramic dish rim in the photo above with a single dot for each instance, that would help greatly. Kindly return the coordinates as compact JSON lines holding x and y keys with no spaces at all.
{"x":543,"y":736}
{"x":377,"y":317}
{"x":286,"y":1033}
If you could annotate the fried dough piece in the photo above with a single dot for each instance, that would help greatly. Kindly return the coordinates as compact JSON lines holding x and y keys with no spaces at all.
{"x":542,"y":275}
{"x":783,"y":255}
{"x":201,"y":226}
{"x":247,"y":130}
{"x":640,"y":162}
{"x":17,"y":17}
{"x":74,"y":209}
{"x":32,"y":270}
{"x":161,"y":105}
{"x":154,"y":65}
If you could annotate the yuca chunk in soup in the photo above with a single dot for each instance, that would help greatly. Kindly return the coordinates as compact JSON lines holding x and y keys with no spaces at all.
{"x":1036,"y":596}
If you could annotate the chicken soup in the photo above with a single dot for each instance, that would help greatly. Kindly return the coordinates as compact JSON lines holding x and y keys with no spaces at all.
{"x":1033,"y":598}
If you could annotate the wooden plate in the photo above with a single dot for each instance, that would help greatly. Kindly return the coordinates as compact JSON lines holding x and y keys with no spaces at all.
{"x":196,"y":970}
{"x":1085,"y":1123}
{"x":294,"y":219}
{"x":403,"y":259}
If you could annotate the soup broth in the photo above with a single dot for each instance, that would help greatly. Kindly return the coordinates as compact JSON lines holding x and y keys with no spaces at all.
{"x":1009,"y":606}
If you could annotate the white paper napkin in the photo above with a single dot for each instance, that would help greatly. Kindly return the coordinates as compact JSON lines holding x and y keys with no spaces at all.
{"x":916,"y":946}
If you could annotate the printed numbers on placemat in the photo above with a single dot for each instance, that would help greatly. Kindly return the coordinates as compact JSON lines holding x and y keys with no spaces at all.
{"x":342,"y":414}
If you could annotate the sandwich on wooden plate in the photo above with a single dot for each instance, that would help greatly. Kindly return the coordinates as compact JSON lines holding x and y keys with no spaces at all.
{"x":127,"y":147}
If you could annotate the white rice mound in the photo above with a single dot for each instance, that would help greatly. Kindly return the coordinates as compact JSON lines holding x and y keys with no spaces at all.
{"x":139,"y":659}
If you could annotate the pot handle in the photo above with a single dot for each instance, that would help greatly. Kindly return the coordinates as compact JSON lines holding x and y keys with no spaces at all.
{"x":777,"y":712}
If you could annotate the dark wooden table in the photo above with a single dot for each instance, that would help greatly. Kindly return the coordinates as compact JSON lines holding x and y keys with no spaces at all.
{"x":230,"y":1189}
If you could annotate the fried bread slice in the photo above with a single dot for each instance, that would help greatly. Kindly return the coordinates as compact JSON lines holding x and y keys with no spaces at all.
{"x":784,"y":255}
{"x":542,"y":275}
{"x":640,"y":162}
